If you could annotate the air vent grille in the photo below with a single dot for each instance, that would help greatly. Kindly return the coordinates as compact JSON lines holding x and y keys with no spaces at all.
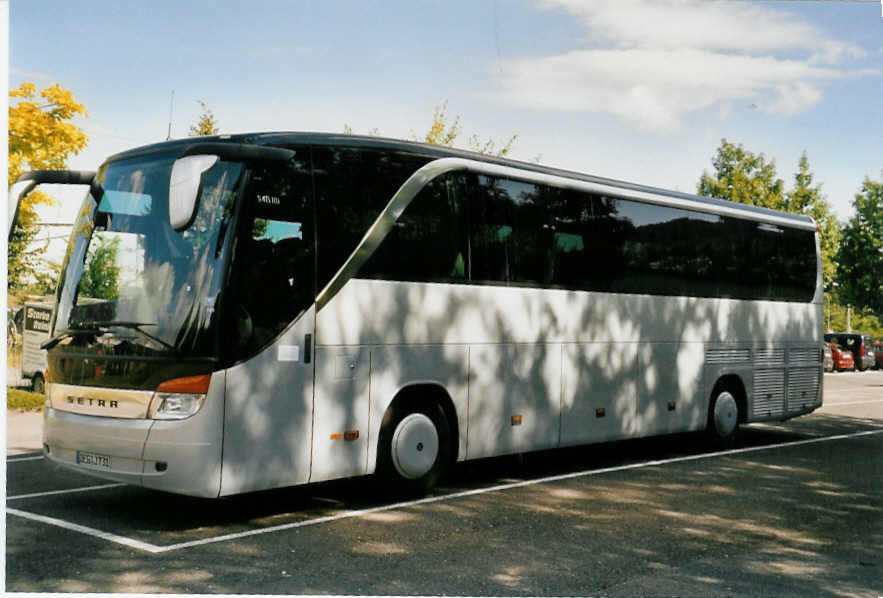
{"x":770,"y":357}
{"x":727,"y":355}
{"x":769,"y":392}
{"x":806,"y":355}
{"x":803,"y":388}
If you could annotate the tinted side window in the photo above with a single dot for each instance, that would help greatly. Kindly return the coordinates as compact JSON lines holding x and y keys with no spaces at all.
{"x":680,"y":252}
{"x":798,"y":263}
{"x":428,"y":241}
{"x":619,"y":245}
{"x":586,"y":244}
{"x":510,"y":234}
{"x":352,"y":186}
{"x":492,"y":230}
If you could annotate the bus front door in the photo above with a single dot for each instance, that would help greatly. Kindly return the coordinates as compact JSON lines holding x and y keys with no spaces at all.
{"x":271,"y":313}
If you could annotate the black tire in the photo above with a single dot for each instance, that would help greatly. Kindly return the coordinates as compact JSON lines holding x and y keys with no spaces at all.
{"x":414,"y":449}
{"x":724,"y":416}
{"x":38,"y":384}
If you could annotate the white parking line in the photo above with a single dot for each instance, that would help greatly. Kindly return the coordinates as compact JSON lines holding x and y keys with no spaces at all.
{"x":433,"y":499}
{"x":85,"y":530}
{"x":68,"y":491}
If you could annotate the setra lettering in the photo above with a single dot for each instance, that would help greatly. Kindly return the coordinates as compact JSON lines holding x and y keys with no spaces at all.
{"x":93,"y":402}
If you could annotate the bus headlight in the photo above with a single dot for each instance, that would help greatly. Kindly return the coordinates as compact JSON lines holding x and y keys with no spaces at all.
{"x":179,"y":398}
{"x":174,"y":405}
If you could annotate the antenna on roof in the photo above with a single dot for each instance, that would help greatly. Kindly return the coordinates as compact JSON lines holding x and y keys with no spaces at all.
{"x":171,"y":104}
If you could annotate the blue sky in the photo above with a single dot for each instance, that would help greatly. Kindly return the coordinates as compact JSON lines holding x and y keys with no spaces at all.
{"x":639,"y":90}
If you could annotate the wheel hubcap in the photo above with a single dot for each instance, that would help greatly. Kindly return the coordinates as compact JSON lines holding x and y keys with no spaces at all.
{"x":414,"y":446}
{"x":726,"y":414}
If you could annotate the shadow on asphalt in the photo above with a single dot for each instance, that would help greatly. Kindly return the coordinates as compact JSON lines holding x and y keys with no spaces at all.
{"x":171,"y":518}
{"x":751,"y":524}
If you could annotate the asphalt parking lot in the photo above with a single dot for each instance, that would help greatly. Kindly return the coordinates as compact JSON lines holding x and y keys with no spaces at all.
{"x":794,"y":509}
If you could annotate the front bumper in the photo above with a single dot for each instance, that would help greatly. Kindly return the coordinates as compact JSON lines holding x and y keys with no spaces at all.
{"x":180,"y":456}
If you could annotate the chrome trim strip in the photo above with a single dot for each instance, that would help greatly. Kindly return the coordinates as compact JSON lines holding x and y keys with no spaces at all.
{"x":103,"y":402}
{"x":385,"y":222}
{"x":437,"y":168}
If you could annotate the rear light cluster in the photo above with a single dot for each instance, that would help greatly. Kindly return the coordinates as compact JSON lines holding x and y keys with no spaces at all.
{"x":179,"y":398}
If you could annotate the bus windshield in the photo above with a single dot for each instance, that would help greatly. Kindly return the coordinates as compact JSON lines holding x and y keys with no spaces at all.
{"x":131,"y":277}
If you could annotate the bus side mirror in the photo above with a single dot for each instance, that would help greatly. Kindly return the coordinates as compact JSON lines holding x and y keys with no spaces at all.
{"x":196,"y":159}
{"x":26,"y":183}
{"x":184,"y":187}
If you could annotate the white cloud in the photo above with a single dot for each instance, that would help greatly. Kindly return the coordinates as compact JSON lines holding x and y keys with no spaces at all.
{"x":650,"y":62}
{"x":734,"y":26}
{"x":794,"y":98}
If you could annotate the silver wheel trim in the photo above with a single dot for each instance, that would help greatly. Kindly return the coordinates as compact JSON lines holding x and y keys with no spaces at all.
{"x":414,"y":446}
{"x":726,"y":414}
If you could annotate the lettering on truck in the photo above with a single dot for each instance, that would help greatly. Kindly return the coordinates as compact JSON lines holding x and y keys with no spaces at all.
{"x":37,"y":319}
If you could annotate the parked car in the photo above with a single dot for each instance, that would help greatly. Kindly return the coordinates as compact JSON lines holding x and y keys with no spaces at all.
{"x":842,"y":359}
{"x":878,"y":354}
{"x":827,"y":359}
{"x":866,"y":352}
{"x":857,"y":344}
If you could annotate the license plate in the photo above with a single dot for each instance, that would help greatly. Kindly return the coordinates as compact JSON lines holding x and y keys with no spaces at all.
{"x":93,"y":460}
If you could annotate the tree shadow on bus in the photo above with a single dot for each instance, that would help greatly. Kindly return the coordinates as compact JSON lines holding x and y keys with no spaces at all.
{"x":561,"y":368}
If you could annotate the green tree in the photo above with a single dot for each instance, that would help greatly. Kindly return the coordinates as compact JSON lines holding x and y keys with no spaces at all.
{"x":207,"y":123}
{"x":490,"y":147}
{"x":45,"y":280}
{"x":806,"y":198}
{"x":101,"y":274}
{"x":859,"y":319}
{"x":440,"y":131}
{"x":743,"y":177}
{"x":443,"y":131}
{"x":41,"y":137}
{"x":348,"y":130}
{"x":860,"y":256}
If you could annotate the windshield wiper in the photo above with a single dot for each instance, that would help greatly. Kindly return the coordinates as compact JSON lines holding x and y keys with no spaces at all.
{"x":133,"y":326}
{"x":66,"y":333}
{"x":93,"y":326}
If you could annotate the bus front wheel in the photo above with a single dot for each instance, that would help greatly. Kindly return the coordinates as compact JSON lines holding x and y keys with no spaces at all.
{"x":414,"y":449}
{"x":37,"y":384}
{"x":723,"y":418}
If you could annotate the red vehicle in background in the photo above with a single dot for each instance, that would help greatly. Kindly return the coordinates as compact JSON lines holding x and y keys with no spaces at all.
{"x":855,"y":343}
{"x":842,"y":359}
{"x":878,"y":355}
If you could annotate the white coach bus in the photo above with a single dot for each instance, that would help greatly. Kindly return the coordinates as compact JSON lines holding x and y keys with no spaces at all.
{"x":288,"y":308}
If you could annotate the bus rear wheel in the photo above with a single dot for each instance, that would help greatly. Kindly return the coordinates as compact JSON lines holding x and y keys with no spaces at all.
{"x":723,"y":418}
{"x":414,"y":449}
